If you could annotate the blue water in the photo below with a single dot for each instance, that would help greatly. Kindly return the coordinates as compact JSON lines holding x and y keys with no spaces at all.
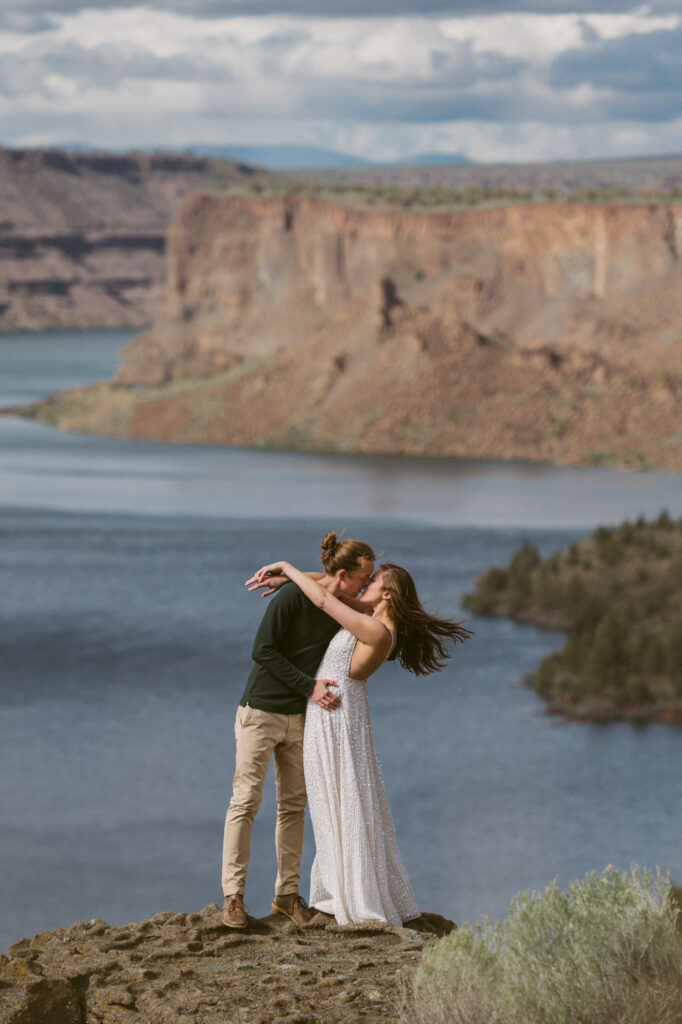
{"x":125,"y":643}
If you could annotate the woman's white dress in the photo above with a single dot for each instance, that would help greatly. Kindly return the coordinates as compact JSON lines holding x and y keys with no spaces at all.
{"x":357,"y":873}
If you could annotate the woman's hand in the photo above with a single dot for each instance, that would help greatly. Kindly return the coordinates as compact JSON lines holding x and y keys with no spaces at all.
{"x":273,"y":583}
{"x":272,"y":576}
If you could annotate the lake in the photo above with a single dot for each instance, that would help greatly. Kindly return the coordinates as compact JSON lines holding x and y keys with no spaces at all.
{"x":126,"y":635}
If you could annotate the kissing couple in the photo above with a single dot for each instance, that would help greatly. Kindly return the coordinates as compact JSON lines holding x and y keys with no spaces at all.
{"x":305,"y":701}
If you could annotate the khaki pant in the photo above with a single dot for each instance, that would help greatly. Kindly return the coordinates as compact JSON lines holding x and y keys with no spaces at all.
{"x":259,"y":734}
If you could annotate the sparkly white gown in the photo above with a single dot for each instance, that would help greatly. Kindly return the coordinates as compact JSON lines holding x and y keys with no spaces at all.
{"x":357,"y":874}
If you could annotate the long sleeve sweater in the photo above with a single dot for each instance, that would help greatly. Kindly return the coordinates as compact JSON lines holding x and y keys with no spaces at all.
{"x":288,"y":647}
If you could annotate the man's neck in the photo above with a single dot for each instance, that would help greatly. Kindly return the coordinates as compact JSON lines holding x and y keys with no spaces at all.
{"x":330,"y":583}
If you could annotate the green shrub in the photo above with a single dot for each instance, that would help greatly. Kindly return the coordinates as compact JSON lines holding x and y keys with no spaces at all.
{"x":581,"y":634}
{"x":521,"y":568}
{"x":650,"y":655}
{"x":673,"y":658}
{"x":611,"y":552}
{"x":573,"y":555}
{"x":494,"y":580}
{"x":607,"y":659}
{"x":604,"y":952}
{"x":489,"y":587}
{"x":525,"y":559}
{"x":657,"y":600}
{"x":575,"y":598}
{"x":664,"y":521}
{"x":550,"y":672}
{"x":637,"y":691}
{"x":625,"y":532}
{"x":676,"y":896}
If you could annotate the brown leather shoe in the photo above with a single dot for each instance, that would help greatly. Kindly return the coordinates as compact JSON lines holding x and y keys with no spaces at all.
{"x":233,"y":914}
{"x":292,"y":906}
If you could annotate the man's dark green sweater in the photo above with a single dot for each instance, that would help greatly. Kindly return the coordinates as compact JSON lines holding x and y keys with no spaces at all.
{"x":289,"y":645}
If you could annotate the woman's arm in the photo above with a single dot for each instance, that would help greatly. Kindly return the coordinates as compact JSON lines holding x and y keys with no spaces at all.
{"x":368,"y":630}
{"x":274,"y":582}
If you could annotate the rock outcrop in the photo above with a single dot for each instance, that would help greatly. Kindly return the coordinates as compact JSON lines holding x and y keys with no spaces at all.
{"x":82,"y":236}
{"x":548,"y":331}
{"x":182,"y":968}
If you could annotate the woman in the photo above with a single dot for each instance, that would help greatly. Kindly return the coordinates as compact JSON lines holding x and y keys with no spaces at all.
{"x":358,"y":874}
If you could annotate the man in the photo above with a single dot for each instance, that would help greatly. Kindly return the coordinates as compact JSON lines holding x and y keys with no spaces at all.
{"x":289,"y":644}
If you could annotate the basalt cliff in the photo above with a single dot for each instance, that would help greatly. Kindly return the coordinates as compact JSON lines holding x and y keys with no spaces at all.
{"x":83,"y":235}
{"x":534,"y":331}
{"x":186,"y":968}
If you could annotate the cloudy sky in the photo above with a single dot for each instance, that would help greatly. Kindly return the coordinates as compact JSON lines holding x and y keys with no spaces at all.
{"x":383,"y":79}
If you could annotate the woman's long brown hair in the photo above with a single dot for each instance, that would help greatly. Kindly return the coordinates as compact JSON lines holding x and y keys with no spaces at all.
{"x":422,"y":639}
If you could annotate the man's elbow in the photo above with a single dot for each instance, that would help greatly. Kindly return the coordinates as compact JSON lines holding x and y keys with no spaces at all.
{"x":260,"y":653}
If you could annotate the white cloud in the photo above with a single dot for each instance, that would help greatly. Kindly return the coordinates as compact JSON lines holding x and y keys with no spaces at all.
{"x":375,"y":86}
{"x":538,"y":38}
{"x":533,"y":37}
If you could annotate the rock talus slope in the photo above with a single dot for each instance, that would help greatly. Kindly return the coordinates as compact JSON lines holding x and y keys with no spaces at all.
{"x":547,"y":331}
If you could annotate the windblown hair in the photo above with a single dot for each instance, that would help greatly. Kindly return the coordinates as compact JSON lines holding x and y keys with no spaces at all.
{"x":422,"y":639}
{"x":344,"y":554}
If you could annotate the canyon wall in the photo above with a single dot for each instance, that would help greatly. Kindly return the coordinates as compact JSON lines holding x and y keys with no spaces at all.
{"x":82,"y":236}
{"x":250,"y":277}
{"x":547,"y":331}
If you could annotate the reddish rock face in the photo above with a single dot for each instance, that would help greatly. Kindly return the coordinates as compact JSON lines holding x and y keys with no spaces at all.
{"x":535,"y":331}
{"x":248,"y":277}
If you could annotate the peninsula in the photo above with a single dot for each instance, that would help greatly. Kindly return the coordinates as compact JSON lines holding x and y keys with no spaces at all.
{"x":619,"y":595}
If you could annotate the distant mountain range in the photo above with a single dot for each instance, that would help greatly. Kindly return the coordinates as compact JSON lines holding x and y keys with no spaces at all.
{"x":288,"y":158}
{"x":285,"y":158}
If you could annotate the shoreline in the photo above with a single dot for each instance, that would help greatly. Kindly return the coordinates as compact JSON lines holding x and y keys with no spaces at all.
{"x":81,"y":410}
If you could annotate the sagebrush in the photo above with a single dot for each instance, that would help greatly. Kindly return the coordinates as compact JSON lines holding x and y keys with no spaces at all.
{"x":604,"y":952}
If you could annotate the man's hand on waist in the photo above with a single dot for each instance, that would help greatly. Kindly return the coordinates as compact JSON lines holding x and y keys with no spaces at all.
{"x":324,"y":697}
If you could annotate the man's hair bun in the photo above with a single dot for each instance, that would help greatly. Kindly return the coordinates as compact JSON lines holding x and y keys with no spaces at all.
{"x":330,"y":542}
{"x":343,"y":554}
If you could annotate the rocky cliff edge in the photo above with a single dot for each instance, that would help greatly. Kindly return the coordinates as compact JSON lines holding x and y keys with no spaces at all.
{"x":184,"y":968}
